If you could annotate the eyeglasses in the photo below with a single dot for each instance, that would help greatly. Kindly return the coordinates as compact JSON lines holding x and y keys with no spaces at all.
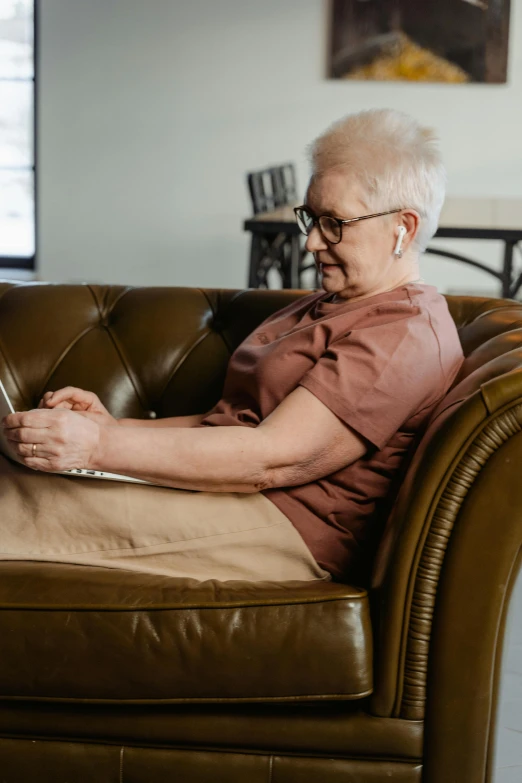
{"x":330,"y":227}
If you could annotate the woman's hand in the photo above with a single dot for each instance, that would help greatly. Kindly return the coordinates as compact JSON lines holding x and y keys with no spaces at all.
{"x":53,"y":440}
{"x":85,"y":402}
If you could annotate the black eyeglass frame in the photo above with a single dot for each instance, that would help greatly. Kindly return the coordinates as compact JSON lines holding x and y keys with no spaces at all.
{"x":340,"y":223}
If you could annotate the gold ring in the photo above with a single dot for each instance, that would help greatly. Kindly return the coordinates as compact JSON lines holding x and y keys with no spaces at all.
{"x":34,"y":449}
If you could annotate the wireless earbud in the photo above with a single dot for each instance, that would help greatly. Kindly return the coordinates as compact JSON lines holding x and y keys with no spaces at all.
{"x":398,"y":251}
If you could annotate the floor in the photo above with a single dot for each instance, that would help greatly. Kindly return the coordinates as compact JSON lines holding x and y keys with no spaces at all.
{"x":509,"y":732}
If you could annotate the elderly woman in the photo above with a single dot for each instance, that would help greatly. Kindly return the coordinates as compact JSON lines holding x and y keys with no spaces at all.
{"x":291,"y":474}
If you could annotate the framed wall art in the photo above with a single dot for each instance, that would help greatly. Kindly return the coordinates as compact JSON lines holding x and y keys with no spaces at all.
{"x":455,"y":41}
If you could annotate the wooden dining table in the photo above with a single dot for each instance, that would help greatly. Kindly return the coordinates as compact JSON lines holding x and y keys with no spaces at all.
{"x":277,"y":243}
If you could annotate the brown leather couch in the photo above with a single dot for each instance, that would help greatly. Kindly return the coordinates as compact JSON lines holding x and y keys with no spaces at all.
{"x":113,"y":676}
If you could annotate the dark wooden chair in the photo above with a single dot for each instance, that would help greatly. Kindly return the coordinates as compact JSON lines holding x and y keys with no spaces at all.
{"x":271,"y":189}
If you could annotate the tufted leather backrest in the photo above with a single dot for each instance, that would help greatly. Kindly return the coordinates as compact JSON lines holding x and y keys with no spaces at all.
{"x":488,"y":328}
{"x":140,"y":349}
{"x":166,"y":349}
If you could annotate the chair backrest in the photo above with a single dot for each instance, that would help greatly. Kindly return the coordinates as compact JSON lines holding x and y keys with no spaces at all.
{"x":272,"y":187}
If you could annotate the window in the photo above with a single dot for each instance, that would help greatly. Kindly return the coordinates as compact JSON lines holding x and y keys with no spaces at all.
{"x":17,"y":137}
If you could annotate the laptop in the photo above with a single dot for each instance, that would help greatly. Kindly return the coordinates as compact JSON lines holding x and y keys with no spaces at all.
{"x":6,"y":449}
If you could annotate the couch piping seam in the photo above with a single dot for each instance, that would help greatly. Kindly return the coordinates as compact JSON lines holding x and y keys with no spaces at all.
{"x":262,"y":603}
{"x":302,"y":697}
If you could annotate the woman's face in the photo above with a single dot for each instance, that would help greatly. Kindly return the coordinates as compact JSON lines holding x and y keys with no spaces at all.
{"x":363,"y":263}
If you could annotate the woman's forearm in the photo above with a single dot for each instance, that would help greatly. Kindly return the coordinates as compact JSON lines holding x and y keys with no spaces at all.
{"x":173,"y":421}
{"x":212,"y":459}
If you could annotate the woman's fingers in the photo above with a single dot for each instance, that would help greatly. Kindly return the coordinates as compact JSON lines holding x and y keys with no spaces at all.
{"x":51,"y":406}
{"x":40,"y":452}
{"x":43,"y":402}
{"x":40,"y":464}
{"x":34,"y":418}
{"x":27,"y":435}
{"x":62,"y":439}
{"x":32,"y":444}
{"x":68,"y":397}
{"x":79,"y":400}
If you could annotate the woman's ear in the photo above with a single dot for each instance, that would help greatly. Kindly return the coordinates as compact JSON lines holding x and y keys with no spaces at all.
{"x":410,"y":221}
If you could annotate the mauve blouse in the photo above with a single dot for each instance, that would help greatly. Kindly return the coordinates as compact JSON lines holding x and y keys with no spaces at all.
{"x":381,"y":365}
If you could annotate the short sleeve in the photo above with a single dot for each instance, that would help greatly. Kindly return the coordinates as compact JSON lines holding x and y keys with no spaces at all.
{"x":376,"y":377}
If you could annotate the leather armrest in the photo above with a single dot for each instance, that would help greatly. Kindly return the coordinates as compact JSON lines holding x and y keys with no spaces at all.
{"x":469,"y":452}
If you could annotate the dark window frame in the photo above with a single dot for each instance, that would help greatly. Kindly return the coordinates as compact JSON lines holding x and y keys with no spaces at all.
{"x":28,"y":262}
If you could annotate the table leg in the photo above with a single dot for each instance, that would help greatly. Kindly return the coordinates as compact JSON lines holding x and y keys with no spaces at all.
{"x":256,"y":256}
{"x":507,"y":270}
{"x":289,"y":264}
{"x":517,"y":283}
{"x":295,"y":259}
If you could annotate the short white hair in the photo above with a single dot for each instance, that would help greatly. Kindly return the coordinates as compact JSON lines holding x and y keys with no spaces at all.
{"x":395,"y":160}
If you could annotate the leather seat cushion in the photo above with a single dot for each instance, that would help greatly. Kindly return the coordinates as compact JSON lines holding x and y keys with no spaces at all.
{"x":78,"y":633}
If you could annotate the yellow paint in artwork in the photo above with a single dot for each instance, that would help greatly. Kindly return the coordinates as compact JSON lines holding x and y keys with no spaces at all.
{"x":408,"y":61}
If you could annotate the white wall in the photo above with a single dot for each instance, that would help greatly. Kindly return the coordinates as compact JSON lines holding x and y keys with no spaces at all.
{"x":152,"y":112}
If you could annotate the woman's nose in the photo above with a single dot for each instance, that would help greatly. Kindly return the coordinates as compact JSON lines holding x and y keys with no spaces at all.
{"x":315,"y":241}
